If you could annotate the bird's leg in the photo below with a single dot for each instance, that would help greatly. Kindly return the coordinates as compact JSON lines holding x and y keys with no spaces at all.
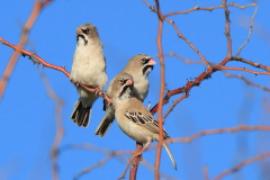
{"x":97,"y":91}
{"x":93,"y":89}
{"x":145,"y":147}
{"x":108,"y":100}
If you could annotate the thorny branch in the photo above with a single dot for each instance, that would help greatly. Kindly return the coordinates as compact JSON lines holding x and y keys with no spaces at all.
{"x":37,"y":9}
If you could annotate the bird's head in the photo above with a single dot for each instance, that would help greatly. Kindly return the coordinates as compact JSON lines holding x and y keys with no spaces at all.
{"x":124,"y":83}
{"x":142,"y":63}
{"x":86,"y":32}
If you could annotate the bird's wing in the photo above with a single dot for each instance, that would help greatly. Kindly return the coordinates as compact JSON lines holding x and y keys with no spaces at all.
{"x":145,"y":120}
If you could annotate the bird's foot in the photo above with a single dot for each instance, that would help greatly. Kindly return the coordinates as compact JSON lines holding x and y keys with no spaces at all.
{"x":97,"y":91}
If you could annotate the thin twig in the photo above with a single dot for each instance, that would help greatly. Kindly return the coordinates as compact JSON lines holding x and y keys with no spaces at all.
{"x":175,"y":103}
{"x":59,"y":103}
{"x":183,"y":59}
{"x":227,"y":28}
{"x":123,"y":174}
{"x":162,"y":89}
{"x":242,"y":164}
{"x":37,"y":9}
{"x":250,"y":31}
{"x":210,"y":9}
{"x":220,"y":67}
{"x":180,"y":34}
{"x":87,"y":170}
{"x":135,"y":163}
{"x":248,"y":82}
{"x":205,"y":173}
{"x":251,"y":63}
{"x":187,"y":41}
{"x":236,"y":129}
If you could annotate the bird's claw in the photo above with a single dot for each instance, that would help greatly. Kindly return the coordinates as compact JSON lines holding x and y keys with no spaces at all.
{"x":97,"y":91}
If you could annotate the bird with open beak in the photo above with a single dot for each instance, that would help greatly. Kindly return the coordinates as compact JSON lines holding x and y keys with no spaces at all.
{"x":88,"y":68}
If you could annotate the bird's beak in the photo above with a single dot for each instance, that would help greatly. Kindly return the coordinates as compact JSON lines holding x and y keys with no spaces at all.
{"x":79,"y":34}
{"x":151,"y":62}
{"x":129,"y":82}
{"x":78,"y":31}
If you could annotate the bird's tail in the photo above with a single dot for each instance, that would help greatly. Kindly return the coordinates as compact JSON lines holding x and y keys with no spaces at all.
{"x":80,"y":114}
{"x":166,"y":147}
{"x":105,"y":122}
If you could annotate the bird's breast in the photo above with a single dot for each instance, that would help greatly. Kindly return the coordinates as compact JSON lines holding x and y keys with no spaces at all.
{"x":89,"y":66}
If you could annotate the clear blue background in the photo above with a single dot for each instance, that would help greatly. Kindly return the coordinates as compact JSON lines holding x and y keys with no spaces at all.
{"x":126,"y":28}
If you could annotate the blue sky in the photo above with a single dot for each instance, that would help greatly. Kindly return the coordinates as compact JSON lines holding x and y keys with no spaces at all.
{"x":127,"y":28}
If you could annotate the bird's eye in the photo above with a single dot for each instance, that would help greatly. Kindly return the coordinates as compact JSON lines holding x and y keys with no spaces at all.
{"x":85,"y":31}
{"x":145,"y":60}
{"x":122,"y":81}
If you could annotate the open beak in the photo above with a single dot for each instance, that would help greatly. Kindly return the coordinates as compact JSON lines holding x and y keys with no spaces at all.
{"x":79,"y":34}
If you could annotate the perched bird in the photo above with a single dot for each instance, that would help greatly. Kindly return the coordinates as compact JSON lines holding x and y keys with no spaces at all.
{"x":88,"y":68}
{"x":134,"y":119}
{"x":139,"y":68}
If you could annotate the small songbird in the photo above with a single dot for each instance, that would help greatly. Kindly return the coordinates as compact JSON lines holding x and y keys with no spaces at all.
{"x":88,"y":68}
{"x":139,"y":67}
{"x":134,"y":119}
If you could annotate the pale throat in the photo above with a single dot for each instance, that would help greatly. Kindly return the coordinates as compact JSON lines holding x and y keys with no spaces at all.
{"x":92,"y":49}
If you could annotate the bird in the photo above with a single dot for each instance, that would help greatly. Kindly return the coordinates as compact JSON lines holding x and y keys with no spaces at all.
{"x":88,"y":68}
{"x":134,"y":119}
{"x":139,"y":66}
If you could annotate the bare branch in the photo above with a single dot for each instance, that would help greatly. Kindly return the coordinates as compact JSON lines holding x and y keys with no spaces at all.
{"x":236,"y":129}
{"x":59,"y":103}
{"x":37,"y":59}
{"x":187,"y":41}
{"x":248,"y":82}
{"x":220,"y":67}
{"x":175,"y":103}
{"x":227,"y":28}
{"x":206,"y":173}
{"x":242,"y":164}
{"x":250,"y":31}
{"x":37,"y":8}
{"x":210,"y":9}
{"x":162,"y":90}
{"x":183,"y":59}
{"x":87,"y":170}
{"x":251,"y":63}
{"x":135,"y":163}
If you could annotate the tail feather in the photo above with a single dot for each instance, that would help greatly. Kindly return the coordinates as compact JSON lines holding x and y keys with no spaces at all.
{"x":166,"y":147}
{"x":105,"y":123}
{"x":81,"y":114}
